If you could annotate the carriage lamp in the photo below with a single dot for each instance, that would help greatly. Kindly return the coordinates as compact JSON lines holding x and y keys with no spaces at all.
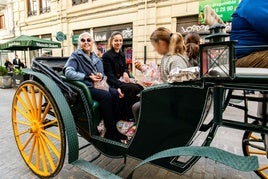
{"x":217,"y":55}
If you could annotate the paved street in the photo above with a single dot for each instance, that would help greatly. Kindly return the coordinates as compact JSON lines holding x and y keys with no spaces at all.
{"x":13,"y":166}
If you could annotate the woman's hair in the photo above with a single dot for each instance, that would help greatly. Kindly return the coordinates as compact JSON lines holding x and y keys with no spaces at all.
{"x":174,"y":40}
{"x":192,"y":37}
{"x":109,"y":44}
{"x":192,"y":51}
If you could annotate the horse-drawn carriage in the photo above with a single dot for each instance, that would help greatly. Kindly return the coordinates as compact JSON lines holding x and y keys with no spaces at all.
{"x":48,"y":111}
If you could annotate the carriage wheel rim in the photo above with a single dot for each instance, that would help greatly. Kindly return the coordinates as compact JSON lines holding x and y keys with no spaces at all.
{"x":38,"y":130}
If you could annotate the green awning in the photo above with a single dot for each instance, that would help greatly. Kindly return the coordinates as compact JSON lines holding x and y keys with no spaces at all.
{"x":25,"y":42}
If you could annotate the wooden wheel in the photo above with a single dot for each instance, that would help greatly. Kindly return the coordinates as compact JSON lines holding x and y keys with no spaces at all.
{"x":253,"y":145}
{"x":38,"y":129}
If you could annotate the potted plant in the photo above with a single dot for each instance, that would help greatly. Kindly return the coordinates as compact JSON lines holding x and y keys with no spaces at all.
{"x":5,"y":79}
{"x":18,"y":76}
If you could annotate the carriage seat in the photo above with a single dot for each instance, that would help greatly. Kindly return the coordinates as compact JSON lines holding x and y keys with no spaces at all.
{"x":94,"y":105}
{"x":242,"y":72}
{"x":252,"y":71}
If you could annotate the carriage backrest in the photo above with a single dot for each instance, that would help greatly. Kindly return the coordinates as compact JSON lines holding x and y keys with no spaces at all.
{"x":56,"y":63}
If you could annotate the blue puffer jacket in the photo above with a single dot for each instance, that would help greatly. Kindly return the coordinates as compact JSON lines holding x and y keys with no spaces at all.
{"x":250,"y":26}
{"x":80,"y":65}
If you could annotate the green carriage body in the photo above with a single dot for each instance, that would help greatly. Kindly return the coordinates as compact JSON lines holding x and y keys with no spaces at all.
{"x":170,"y":116}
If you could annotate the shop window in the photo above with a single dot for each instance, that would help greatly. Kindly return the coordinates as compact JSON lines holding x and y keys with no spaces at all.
{"x":45,"y":6}
{"x":76,"y":2}
{"x":2,"y":21}
{"x":32,"y":7}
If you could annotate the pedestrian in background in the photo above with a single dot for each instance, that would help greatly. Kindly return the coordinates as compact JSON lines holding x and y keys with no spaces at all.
{"x":16,"y":62}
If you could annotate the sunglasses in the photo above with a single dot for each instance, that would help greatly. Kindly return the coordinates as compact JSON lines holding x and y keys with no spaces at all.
{"x":84,"y":40}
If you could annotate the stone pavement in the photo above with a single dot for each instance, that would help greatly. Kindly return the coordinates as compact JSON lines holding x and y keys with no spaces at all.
{"x":13,"y":166}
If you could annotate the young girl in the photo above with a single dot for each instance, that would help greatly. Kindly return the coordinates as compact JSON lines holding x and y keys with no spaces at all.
{"x":171,"y":46}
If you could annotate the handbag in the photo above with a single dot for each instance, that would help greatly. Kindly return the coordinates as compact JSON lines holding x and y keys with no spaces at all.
{"x":103,"y":85}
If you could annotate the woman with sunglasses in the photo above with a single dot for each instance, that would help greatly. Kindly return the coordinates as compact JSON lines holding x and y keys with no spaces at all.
{"x":118,"y":76}
{"x":85,"y":66}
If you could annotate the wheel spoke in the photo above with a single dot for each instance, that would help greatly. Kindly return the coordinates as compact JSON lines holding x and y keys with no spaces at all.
{"x":42,"y":152}
{"x":51,"y":145}
{"x":27,"y":99}
{"x":265,"y":167}
{"x":27,"y":142}
{"x":254,"y":137}
{"x":46,"y":111}
{"x":23,"y":132}
{"x":37,"y":157}
{"x":257,"y":152}
{"x":25,"y":115}
{"x":21,"y":101}
{"x":34,"y":101}
{"x":53,"y":121}
{"x":39,"y":108}
{"x":51,"y":134}
{"x":48,"y":155}
{"x":32,"y":150}
{"x":22,"y":122}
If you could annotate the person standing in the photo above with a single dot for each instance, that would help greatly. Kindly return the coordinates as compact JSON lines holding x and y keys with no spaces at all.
{"x":85,"y":66}
{"x":8,"y":65}
{"x":250,"y":30}
{"x":16,"y":61}
{"x":115,"y":68}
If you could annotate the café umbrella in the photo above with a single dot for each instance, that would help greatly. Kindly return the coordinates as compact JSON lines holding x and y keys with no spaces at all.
{"x":27,"y":43}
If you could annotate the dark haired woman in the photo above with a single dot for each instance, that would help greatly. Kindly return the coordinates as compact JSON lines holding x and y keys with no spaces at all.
{"x":118,"y":76}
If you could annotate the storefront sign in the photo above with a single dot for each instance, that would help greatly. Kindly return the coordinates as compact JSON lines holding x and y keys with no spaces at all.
{"x":127,"y":34}
{"x":75,"y":39}
{"x":201,"y":29}
{"x":224,"y":8}
{"x":100,"y":36}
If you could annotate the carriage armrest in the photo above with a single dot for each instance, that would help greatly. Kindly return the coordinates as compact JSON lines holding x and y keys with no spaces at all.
{"x":85,"y":89}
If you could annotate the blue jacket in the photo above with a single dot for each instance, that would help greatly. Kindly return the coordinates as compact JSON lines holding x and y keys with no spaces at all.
{"x":79,"y":65}
{"x":250,"y":26}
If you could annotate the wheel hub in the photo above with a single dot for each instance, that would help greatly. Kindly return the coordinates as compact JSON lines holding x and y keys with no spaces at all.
{"x":35,"y":127}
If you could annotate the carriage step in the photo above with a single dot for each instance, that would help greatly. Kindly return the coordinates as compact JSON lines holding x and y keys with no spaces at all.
{"x":94,"y":170}
{"x":248,"y":163}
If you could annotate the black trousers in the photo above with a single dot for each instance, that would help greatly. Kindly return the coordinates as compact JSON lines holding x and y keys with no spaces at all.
{"x":130,"y":90}
{"x":109,"y":107}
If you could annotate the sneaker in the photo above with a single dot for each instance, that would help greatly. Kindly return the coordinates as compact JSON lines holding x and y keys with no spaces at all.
{"x":131,"y":131}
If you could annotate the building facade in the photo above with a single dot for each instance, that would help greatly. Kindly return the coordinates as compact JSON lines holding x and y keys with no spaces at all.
{"x":7,"y":26}
{"x":64,"y":20}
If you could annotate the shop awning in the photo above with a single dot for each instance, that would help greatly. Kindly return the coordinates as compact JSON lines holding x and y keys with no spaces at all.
{"x":25,"y":42}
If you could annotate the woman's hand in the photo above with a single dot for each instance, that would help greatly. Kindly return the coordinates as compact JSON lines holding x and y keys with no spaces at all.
{"x":126,"y":77}
{"x":138,"y":65}
{"x":121,"y":95}
{"x":96,"y":78}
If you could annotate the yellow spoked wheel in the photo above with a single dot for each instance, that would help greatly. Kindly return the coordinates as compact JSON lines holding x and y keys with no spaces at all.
{"x":253,"y":145}
{"x":38,"y":129}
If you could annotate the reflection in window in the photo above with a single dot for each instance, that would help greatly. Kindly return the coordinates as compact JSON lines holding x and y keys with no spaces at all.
{"x":76,"y":2}
{"x":2,"y":21}
{"x":36,"y":7}
{"x":45,"y":6}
